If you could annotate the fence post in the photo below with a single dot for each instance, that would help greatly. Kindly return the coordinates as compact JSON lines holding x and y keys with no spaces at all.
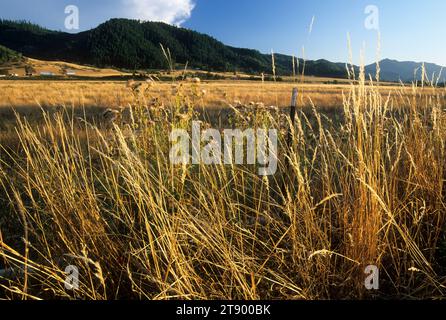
{"x":286,"y":176}
{"x":293,"y":120}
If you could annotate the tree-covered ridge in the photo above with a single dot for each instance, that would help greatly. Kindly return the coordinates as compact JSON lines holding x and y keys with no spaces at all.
{"x":131,"y":44}
{"x":23,"y":25}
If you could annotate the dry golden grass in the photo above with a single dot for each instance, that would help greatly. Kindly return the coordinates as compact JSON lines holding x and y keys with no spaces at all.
{"x":108,"y":94}
{"x":362,"y":184}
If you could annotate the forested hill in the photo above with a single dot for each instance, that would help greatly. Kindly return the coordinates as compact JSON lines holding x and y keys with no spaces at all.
{"x":130,"y":44}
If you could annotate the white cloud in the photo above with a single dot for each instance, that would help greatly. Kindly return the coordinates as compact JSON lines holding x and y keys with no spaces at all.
{"x":169,"y":11}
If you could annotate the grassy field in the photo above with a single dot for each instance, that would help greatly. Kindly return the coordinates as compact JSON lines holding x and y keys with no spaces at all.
{"x":361,"y":183}
{"x":114,"y":94}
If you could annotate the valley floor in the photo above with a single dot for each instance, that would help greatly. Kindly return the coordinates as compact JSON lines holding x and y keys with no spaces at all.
{"x":86,"y":180}
{"x":114,"y":94}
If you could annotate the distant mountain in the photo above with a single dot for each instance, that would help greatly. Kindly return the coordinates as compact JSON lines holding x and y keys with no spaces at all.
{"x":407,"y":71}
{"x":130,"y":44}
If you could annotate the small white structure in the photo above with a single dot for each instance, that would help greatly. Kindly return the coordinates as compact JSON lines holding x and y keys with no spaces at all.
{"x":70,"y":73}
{"x":46,"y":74}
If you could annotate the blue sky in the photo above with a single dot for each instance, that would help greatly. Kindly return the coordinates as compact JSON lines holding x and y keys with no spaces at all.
{"x":410,"y":29}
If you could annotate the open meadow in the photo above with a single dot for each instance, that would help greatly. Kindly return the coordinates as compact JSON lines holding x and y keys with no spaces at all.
{"x":86,"y":180}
